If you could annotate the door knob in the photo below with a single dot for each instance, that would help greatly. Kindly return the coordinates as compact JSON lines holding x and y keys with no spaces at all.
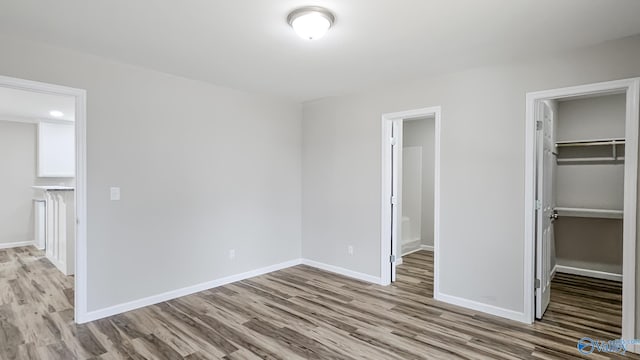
{"x":554,"y":215}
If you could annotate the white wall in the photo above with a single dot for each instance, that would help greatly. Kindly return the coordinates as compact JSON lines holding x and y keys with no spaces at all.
{"x":411,"y":223}
{"x":422,"y":133}
{"x":482,"y":159}
{"x":18,"y":164}
{"x":598,"y":186}
{"x":203,"y":170}
{"x":593,"y":244}
{"x":591,"y":118}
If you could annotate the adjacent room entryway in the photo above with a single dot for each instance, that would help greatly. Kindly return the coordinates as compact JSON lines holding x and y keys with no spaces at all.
{"x":418,"y":157}
{"x":581,"y":204}
{"x":410,"y":201}
{"x":43,"y":213}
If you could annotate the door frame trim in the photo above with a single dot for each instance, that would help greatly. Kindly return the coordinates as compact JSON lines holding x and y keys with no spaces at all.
{"x":80,"y":95}
{"x":632,"y":89}
{"x":386,"y":248}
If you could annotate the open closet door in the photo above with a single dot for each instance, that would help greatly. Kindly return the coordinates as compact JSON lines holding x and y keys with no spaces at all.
{"x":545,"y":211}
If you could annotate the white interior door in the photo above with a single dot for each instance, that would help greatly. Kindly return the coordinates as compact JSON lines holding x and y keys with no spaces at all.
{"x":544,"y":206}
{"x":396,"y":178}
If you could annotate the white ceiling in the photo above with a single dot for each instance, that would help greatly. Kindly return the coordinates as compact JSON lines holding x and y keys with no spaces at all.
{"x":19,"y":105}
{"x":246,"y":44}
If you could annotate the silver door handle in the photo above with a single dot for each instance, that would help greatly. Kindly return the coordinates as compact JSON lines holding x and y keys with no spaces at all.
{"x":554,"y":215}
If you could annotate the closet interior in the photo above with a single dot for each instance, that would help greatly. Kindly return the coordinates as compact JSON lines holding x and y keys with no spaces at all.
{"x":589,"y":186}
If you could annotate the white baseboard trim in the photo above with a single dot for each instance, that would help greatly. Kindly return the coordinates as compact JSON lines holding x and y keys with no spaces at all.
{"x":343,"y":271}
{"x":589,"y":273}
{"x":16,"y":244}
{"x":169,"y":295}
{"x":478,"y":306}
{"x":418,"y":240}
{"x":554,"y":270}
{"x":399,"y":261}
{"x":411,"y":251}
{"x":420,"y":248}
{"x":173,"y":294}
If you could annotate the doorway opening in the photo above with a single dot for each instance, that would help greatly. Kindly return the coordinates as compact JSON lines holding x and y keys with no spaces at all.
{"x":410,"y":193}
{"x":46,"y":185}
{"x":581,"y":188}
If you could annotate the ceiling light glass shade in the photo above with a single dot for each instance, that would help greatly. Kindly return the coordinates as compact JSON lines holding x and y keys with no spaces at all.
{"x":311,"y":23}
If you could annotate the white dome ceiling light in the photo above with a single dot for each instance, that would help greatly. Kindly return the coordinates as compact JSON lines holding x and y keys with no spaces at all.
{"x":311,"y":22}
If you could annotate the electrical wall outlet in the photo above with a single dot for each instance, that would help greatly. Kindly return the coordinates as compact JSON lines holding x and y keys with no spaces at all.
{"x":232,"y":254}
{"x":350,"y":249}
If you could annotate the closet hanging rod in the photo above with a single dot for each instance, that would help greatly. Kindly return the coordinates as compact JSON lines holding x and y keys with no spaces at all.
{"x":604,"y":160}
{"x":595,"y":142}
{"x":589,"y":213}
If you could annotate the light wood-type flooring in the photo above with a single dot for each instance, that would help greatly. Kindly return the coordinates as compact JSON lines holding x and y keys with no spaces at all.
{"x":296,"y":313}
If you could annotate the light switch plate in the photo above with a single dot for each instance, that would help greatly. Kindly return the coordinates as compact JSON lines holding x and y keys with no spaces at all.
{"x":115,"y":193}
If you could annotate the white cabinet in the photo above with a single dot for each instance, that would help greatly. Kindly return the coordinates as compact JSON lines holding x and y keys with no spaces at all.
{"x":56,"y":150}
{"x":60,"y":236}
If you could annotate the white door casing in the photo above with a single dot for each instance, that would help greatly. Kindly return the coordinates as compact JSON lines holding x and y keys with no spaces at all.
{"x":632,"y":89}
{"x":80,"y":95}
{"x":390,"y":232}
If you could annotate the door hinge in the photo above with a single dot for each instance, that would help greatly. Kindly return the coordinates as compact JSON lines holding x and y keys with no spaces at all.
{"x":537,"y":283}
{"x":539,"y":125}
{"x":392,"y":258}
{"x":538,"y":204}
{"x":394,"y":200}
{"x":394,"y":141}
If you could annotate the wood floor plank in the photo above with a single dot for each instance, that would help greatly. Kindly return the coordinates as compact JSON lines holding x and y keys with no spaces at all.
{"x":297,"y":313}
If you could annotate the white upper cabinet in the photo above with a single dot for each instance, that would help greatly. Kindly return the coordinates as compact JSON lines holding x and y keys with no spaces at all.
{"x":56,"y":150}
